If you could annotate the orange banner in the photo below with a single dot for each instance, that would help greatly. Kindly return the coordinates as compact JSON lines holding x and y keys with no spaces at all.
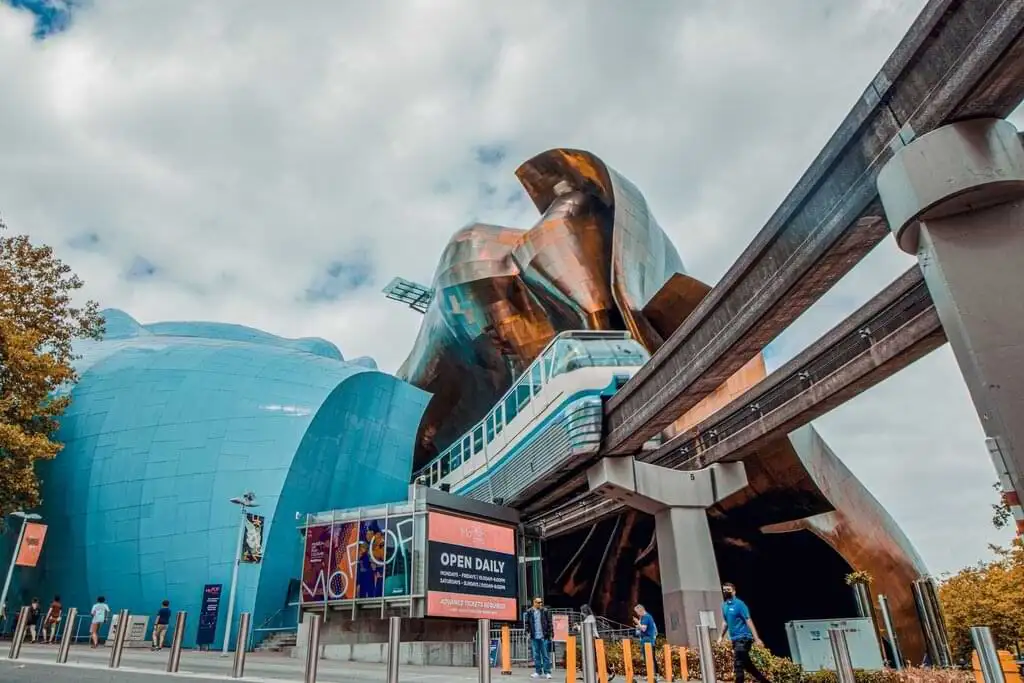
{"x":471,"y":533}
{"x":31,"y":545}
{"x":462,"y":606}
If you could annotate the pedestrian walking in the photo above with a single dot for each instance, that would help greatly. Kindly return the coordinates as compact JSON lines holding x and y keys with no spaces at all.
{"x":33,"y":619}
{"x":538,"y":624}
{"x":646,"y":632}
{"x":163,"y":618}
{"x":52,"y":620}
{"x":740,"y":629}
{"x":99,"y":612}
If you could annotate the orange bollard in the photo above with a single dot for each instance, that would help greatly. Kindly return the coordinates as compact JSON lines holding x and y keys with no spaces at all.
{"x":506,"y":650}
{"x":602,"y":661}
{"x":570,"y":659}
{"x":684,"y":668}
{"x":667,"y":654}
{"x":627,"y":659}
{"x":649,"y":662}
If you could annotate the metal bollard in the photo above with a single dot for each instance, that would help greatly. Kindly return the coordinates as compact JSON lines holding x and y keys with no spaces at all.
{"x":313,"y":622}
{"x":122,"y":632}
{"x":67,"y":637}
{"x":241,"y":643}
{"x":894,"y":645}
{"x":706,"y":653}
{"x":589,"y":654}
{"x":394,"y":646}
{"x":483,"y":638}
{"x":988,"y":656}
{"x":841,"y":654}
{"x":174,"y":661}
{"x":19,"y":633}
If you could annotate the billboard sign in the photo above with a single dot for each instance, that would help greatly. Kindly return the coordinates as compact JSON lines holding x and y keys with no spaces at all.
{"x":208,"y":613}
{"x":252,"y":539}
{"x":31,"y":545}
{"x":354,"y":560}
{"x":472,"y":569}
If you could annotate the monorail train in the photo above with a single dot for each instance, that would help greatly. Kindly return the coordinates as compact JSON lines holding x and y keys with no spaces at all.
{"x":551,"y":419}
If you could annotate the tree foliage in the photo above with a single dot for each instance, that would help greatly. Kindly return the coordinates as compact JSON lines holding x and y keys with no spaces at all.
{"x":39,"y":321}
{"x":988,"y":594}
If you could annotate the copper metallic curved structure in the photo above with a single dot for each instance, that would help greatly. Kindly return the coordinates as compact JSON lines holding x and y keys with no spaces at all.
{"x":597,"y":259}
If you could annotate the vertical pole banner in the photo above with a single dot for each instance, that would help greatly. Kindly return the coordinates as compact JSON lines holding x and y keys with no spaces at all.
{"x":31,"y":545}
{"x":252,"y":539}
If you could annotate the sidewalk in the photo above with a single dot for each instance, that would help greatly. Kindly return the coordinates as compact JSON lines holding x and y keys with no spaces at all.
{"x":85,"y":665}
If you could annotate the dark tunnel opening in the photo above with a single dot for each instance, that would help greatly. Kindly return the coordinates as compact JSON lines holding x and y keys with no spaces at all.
{"x":781,"y":577}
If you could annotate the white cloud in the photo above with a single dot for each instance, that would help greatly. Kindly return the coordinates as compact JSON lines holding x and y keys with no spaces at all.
{"x":243,"y":148}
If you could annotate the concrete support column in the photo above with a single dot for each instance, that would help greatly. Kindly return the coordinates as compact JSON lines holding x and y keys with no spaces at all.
{"x":678,"y":501}
{"x":955,"y":198}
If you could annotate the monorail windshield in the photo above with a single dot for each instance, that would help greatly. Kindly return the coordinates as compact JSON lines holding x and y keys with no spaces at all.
{"x":567,"y":352}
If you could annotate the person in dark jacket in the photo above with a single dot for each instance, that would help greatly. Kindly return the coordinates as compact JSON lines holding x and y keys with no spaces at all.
{"x":538,"y":625}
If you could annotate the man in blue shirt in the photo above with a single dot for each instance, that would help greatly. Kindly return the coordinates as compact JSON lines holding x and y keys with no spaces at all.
{"x":643,"y":623}
{"x":741,"y":631}
{"x":163,"y":618}
{"x":537,"y":623}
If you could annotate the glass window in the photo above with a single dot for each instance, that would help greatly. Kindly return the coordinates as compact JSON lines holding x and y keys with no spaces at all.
{"x":446,"y":464}
{"x":478,"y":439}
{"x":499,"y":418}
{"x":489,"y":425}
{"x":511,"y":406}
{"x":523,"y":391}
{"x":467,"y":446}
{"x":535,"y":379}
{"x":457,"y":457}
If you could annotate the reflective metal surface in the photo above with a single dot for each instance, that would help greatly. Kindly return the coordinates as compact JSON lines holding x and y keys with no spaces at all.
{"x":238,"y":666}
{"x":988,"y":656}
{"x":174,"y":660}
{"x":117,"y":649}
{"x":19,"y":633}
{"x":65,"y":640}
{"x":841,"y":655}
{"x":594,"y":260}
{"x":312,"y":622}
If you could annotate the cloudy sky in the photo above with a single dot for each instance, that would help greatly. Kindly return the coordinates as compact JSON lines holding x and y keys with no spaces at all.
{"x":275,"y":164}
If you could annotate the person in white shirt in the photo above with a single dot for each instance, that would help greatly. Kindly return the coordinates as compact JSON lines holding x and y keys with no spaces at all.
{"x":100,"y":611}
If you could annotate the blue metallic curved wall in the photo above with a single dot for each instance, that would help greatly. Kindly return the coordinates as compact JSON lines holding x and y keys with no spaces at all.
{"x":171,"y":420}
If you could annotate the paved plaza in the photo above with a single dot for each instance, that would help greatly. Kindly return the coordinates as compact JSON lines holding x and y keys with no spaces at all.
{"x":85,"y":665}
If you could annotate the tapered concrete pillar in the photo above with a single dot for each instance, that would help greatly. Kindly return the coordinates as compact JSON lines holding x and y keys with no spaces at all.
{"x":955,"y":198}
{"x":678,"y":501}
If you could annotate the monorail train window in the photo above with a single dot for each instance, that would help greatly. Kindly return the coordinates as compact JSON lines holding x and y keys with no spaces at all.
{"x":489,"y":424}
{"x":446,"y":465}
{"x":478,"y":439}
{"x":499,"y":418}
{"x":512,"y":406}
{"x":467,"y":445}
{"x":536,"y":379}
{"x":523,"y":392}
{"x":456,"y":457}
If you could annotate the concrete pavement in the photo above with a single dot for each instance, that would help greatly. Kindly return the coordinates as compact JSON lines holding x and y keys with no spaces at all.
{"x":85,"y":665}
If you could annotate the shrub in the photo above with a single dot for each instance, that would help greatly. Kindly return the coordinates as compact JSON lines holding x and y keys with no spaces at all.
{"x":778,"y":669}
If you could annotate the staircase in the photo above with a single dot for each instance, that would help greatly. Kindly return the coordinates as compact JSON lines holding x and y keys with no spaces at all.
{"x":283,"y":641}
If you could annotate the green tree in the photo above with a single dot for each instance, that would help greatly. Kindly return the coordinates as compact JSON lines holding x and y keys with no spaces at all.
{"x":39,"y":321}
{"x":989,"y":594}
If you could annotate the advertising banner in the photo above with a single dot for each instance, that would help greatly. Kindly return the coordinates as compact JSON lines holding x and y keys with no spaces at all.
{"x":208,"y":614}
{"x":31,"y":545}
{"x":355,"y":560}
{"x":560,"y":626}
{"x":252,"y":540}
{"x":472,"y":569}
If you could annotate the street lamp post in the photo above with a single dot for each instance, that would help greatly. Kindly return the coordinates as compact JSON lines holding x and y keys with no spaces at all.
{"x":245,"y":501}
{"x":25,"y":517}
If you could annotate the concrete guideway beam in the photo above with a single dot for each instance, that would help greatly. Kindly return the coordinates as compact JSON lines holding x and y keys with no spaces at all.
{"x":955,"y":198}
{"x":678,"y":501}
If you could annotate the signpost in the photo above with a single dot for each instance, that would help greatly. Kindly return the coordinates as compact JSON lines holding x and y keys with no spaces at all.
{"x":208,"y":615}
{"x":472,"y":570}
